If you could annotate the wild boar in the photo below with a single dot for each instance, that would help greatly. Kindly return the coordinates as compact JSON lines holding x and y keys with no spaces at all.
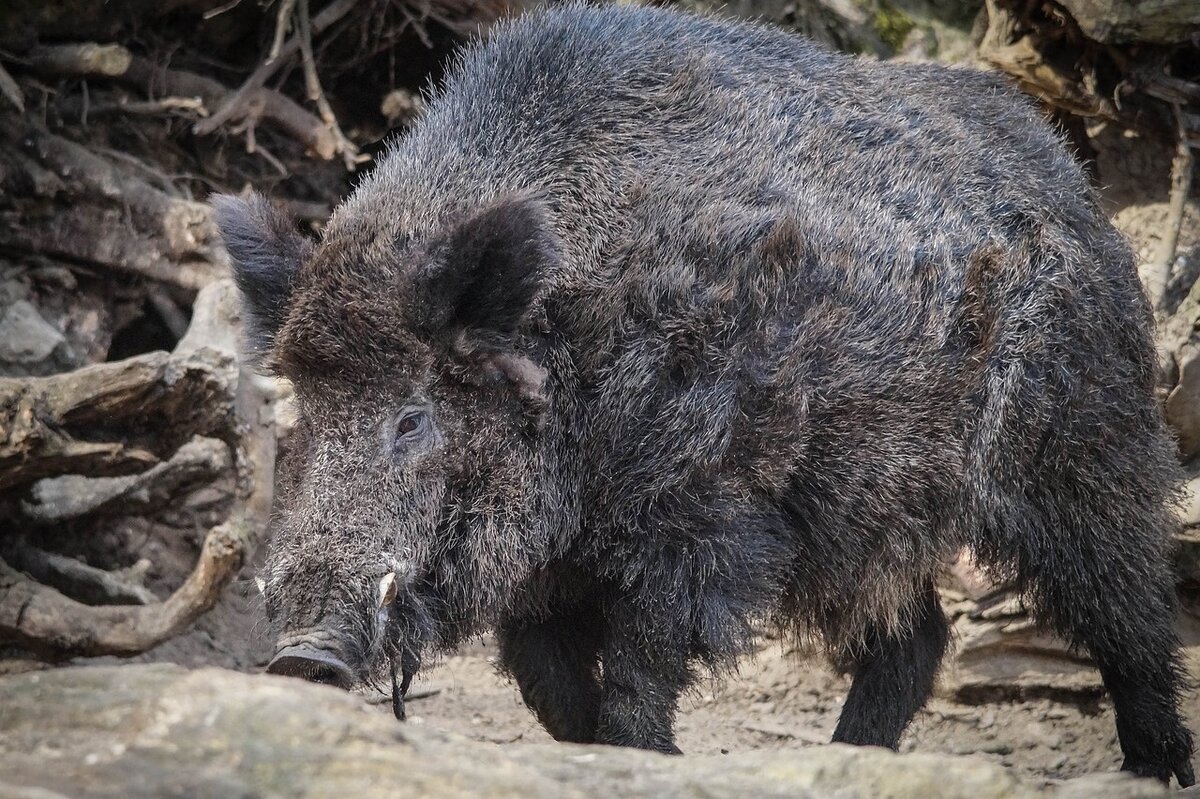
{"x":657,"y":327}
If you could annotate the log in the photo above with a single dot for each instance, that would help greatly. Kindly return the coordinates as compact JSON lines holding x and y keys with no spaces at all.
{"x":60,"y":199}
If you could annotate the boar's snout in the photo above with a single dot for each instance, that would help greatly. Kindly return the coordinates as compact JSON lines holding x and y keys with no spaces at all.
{"x":311,"y":663}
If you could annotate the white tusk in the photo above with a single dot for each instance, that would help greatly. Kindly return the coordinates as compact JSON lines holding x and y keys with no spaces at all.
{"x":387,"y":589}
{"x":261,"y":583}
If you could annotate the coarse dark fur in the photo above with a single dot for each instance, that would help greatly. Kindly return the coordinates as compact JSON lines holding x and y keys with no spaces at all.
{"x":657,"y":325}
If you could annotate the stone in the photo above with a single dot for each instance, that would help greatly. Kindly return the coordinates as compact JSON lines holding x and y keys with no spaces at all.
{"x":161,"y":730}
{"x":25,"y":337}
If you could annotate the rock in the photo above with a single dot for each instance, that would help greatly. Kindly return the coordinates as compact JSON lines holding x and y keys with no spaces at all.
{"x":25,"y":337}
{"x":1000,"y":654}
{"x":1125,"y":21}
{"x":160,"y":730}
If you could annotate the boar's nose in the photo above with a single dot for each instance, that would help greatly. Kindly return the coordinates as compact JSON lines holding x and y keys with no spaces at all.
{"x":312,"y":664}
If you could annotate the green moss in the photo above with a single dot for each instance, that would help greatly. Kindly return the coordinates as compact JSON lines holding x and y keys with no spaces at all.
{"x":892,"y":25}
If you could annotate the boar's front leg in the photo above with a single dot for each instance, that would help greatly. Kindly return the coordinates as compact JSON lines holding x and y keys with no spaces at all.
{"x":645,"y":669}
{"x":554,"y":661}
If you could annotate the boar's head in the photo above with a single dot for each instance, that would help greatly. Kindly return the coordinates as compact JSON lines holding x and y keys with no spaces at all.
{"x":411,"y":478}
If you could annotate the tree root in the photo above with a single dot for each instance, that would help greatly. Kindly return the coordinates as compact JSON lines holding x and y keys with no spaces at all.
{"x":81,"y":581}
{"x":198,"y":387}
{"x":1055,"y":60}
{"x":66,"y":497}
{"x":44,"y":621}
{"x":1181,"y":183}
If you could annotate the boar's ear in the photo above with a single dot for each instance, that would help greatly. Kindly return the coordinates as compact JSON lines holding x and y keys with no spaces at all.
{"x":266,"y":251}
{"x":492,"y":264}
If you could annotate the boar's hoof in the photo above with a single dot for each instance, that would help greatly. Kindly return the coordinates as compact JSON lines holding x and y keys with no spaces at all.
{"x":312,"y":664}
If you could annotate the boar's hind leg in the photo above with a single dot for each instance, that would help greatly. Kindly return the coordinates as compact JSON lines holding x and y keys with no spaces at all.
{"x":554,"y":662}
{"x":1112,"y":593}
{"x":893,"y":677}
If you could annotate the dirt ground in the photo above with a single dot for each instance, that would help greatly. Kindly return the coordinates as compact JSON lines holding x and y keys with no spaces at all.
{"x":782,"y":700}
{"x":778,"y":700}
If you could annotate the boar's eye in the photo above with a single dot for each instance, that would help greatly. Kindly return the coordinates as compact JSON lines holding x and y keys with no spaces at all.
{"x":409,"y":423}
{"x":410,"y":426}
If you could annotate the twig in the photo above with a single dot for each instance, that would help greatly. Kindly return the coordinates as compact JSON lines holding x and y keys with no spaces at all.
{"x":282,"y":20}
{"x":10,"y":89}
{"x":114,"y":61}
{"x":189,"y":105}
{"x":347,"y":148}
{"x":219,"y":10}
{"x":1181,"y":182}
{"x":234,"y":105}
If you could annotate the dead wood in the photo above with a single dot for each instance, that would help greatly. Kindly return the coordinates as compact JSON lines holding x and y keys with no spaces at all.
{"x":240,"y":104}
{"x":312,"y":81}
{"x":198,"y":461}
{"x":10,"y":89}
{"x":1181,"y":183}
{"x":1103,"y":59}
{"x":1134,"y":21}
{"x":46,"y":422}
{"x":83,"y":582}
{"x":42,"y":619}
{"x":114,"y":62}
{"x":62,"y":200}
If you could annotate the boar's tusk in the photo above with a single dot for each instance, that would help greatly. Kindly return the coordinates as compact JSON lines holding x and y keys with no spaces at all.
{"x":387,"y":589}
{"x":261,"y":583}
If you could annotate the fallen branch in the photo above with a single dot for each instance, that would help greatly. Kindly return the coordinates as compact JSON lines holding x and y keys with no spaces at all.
{"x":81,"y":581}
{"x":1181,"y":182}
{"x":238,"y":104}
{"x":113,"y":218}
{"x":312,"y":81}
{"x":114,"y":62}
{"x":69,"y":496}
